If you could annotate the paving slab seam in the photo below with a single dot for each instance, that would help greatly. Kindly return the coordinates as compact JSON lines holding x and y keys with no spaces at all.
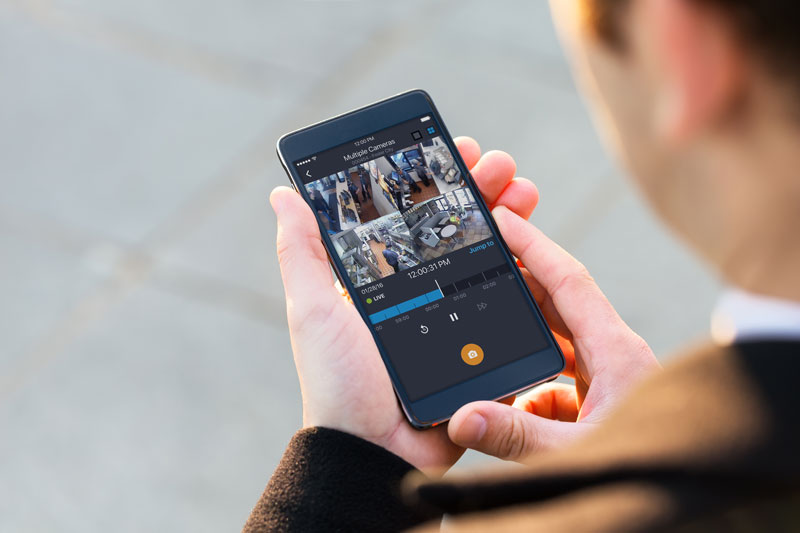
{"x":260,"y":78}
{"x":220,"y":293}
{"x":53,"y":233}
{"x":318,"y":99}
{"x":85,"y":313}
{"x":245,"y":167}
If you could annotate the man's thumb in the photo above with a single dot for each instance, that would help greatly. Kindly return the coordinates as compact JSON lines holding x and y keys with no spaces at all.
{"x":302,"y":257}
{"x":509,"y":433}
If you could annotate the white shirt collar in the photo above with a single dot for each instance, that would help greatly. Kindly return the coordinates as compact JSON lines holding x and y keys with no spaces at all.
{"x":744,"y":316}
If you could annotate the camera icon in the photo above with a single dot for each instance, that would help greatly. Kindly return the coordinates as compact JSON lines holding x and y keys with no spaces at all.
{"x":472,"y":354}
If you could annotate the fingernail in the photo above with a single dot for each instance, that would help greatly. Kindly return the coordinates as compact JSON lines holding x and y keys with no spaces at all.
{"x":276,"y":204}
{"x":473,"y":429}
{"x":275,"y":200}
{"x":498,"y":210}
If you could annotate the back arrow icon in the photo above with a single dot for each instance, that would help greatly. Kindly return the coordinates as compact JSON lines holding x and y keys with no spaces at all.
{"x":308,"y":173}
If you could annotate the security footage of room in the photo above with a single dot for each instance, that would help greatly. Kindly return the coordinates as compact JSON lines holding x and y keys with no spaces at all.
{"x":397,"y":211}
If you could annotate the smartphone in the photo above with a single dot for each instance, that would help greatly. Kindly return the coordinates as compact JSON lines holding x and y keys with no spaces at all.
{"x":415,"y":246}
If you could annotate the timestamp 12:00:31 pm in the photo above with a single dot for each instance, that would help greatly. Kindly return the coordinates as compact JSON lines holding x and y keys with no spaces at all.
{"x":441,"y":263}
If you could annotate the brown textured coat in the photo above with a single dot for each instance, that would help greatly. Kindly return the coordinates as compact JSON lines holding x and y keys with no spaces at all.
{"x":712,"y":443}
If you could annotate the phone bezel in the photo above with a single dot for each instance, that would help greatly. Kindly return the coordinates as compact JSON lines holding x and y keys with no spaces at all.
{"x":440,"y":406}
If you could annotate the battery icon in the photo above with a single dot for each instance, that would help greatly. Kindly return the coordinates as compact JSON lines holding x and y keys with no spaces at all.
{"x":425,"y":119}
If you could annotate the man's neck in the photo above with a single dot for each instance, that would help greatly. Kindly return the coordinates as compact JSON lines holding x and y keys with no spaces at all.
{"x":762,"y":254}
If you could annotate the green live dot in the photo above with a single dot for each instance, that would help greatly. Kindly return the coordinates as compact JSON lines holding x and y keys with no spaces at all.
{"x":369,"y":300}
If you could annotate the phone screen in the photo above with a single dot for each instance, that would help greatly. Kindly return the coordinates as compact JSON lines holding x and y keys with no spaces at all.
{"x":419,"y":254}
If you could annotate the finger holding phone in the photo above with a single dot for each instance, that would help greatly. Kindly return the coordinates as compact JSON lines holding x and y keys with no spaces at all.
{"x":604,"y":356}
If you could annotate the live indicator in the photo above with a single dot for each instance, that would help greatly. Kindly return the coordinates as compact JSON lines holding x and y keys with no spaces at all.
{"x":405,"y":307}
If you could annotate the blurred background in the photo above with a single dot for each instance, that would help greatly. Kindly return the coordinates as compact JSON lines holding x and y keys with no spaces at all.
{"x":146,"y":378}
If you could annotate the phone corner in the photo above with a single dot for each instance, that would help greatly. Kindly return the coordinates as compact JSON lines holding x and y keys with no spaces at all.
{"x":280,"y":142}
{"x":563,"y":363}
{"x":419,"y":92}
{"x":418,"y":424}
{"x":421,"y":426}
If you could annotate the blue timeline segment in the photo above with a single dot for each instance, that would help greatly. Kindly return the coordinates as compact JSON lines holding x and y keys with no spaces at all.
{"x":438,"y":294}
{"x":405,"y":307}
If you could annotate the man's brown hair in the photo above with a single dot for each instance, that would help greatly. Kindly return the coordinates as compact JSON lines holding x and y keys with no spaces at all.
{"x":770,"y":28}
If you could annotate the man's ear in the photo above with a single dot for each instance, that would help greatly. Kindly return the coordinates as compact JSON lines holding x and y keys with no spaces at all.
{"x":696,"y":65}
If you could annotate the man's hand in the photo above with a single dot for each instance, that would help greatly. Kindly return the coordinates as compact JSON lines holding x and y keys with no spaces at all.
{"x":603,"y":356}
{"x":343,"y":380}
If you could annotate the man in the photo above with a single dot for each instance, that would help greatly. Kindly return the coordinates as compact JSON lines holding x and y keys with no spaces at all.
{"x":421,"y":172}
{"x":436,"y":168}
{"x":366,"y":189}
{"x":318,"y":201}
{"x":321,"y":206}
{"x":351,"y":187}
{"x":698,"y":98}
{"x":392,"y":258}
{"x":397,"y":192}
{"x":403,"y":175}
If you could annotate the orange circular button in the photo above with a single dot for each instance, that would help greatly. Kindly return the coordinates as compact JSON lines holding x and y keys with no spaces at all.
{"x":472,"y":354}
